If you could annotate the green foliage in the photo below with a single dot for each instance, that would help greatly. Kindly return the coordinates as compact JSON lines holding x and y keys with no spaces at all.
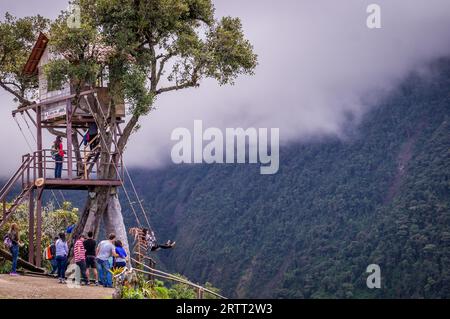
{"x":5,"y":266}
{"x":17,"y":37}
{"x":182,"y":291}
{"x":57,"y":220}
{"x":141,"y":288}
{"x":131,"y":293}
{"x":229,"y":52}
{"x":207,"y":295}
{"x":135,"y":91}
{"x":145,"y":40}
{"x":161,"y":292}
{"x":78,"y":54}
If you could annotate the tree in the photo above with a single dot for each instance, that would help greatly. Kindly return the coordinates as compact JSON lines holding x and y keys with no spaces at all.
{"x":148,"y":48}
{"x":17,"y":37}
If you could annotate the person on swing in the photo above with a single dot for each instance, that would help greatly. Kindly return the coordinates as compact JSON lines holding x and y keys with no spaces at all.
{"x":151,"y":241}
{"x":58,"y":155}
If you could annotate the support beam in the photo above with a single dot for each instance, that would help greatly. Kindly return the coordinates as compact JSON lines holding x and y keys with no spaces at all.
{"x":39,"y":140}
{"x":69,"y":138}
{"x":31,"y":118}
{"x":39,"y":227}
{"x":31,"y":228}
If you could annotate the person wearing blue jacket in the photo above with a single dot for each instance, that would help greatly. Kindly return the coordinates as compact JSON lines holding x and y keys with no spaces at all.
{"x":121,"y":258}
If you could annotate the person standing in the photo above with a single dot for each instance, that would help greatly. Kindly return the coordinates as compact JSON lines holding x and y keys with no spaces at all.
{"x":105,"y":251}
{"x":89,"y":245}
{"x":80,"y":257}
{"x":62,"y":251}
{"x":121,"y":259}
{"x":58,"y":155}
{"x":53,"y":253}
{"x":13,"y":239}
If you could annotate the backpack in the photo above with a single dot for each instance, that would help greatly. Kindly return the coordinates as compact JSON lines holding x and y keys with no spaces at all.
{"x":54,"y":152}
{"x":7,"y":241}
{"x":48,"y":253}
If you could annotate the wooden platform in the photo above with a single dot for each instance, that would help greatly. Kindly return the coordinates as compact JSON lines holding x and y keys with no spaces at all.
{"x":78,"y":184}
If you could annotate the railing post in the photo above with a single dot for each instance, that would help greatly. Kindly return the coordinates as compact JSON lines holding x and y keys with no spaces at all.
{"x":199,"y":293}
{"x":4,"y":208}
{"x":39,"y":227}
{"x":21,"y":176}
{"x":28,"y":169}
{"x":45,"y":163}
{"x":39,"y":140}
{"x":69,"y":137}
{"x":31,"y":228}
{"x":34,"y":166}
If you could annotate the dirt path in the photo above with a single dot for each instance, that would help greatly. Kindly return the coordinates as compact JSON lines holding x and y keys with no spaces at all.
{"x":29,"y":287}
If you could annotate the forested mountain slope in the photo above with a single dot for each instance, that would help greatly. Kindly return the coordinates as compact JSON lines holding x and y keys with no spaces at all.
{"x":380,"y":196}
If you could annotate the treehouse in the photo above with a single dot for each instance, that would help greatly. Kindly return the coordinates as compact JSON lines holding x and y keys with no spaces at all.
{"x":72,"y":116}
{"x":57,"y":111}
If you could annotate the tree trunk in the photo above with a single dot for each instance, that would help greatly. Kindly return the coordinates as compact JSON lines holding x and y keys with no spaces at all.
{"x":103,"y":204}
{"x":113,"y":221}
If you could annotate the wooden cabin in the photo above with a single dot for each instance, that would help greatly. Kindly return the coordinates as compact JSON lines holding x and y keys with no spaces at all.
{"x":55,"y":112}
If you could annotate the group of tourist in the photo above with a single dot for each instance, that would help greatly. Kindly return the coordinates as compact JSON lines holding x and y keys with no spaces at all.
{"x":89,"y":257}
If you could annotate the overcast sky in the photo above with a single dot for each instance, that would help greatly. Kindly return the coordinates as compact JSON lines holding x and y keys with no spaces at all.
{"x":318,"y":64}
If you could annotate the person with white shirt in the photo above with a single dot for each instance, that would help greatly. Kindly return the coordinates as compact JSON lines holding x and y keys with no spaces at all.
{"x":105,"y":251}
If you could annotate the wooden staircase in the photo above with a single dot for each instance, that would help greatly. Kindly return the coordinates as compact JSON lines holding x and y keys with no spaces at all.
{"x":23,"y":174}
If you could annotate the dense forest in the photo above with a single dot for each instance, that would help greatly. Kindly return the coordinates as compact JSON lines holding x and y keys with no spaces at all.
{"x":379,"y":195}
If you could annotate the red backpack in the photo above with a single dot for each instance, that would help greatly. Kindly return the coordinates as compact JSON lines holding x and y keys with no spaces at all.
{"x":48,"y":253}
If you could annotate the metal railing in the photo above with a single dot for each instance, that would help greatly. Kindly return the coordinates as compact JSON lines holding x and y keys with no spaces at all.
{"x":23,"y":174}
{"x":84,"y":166}
{"x":163,"y":275}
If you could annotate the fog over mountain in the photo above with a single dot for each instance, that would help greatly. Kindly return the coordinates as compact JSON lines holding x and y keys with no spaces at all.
{"x":320,"y":68}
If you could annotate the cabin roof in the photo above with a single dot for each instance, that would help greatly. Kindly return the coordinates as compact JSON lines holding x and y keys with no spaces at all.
{"x":31,"y":67}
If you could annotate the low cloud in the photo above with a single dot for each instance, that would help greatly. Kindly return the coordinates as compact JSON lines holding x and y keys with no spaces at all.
{"x":319,"y":65}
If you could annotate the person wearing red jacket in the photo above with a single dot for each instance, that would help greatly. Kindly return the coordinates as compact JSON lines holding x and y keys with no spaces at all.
{"x":58,"y":156}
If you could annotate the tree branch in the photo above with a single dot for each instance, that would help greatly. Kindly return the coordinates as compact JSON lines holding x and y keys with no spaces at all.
{"x":123,"y":140}
{"x":177,"y":87}
{"x":13,"y":84}
{"x":21,"y":99}
{"x":153,"y":79}
{"x":192,"y":83}
{"x":166,"y":58}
